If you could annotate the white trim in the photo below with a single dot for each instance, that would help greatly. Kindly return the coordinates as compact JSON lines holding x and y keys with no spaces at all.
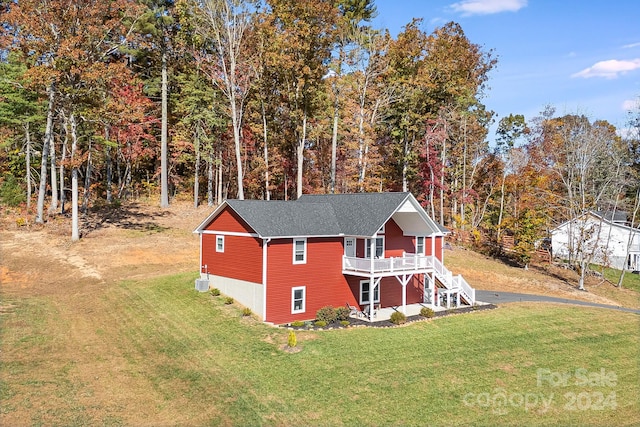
{"x":230,"y":233}
{"x":220,"y":238}
{"x":265,"y":245}
{"x":304,"y":251}
{"x":367,"y":247}
{"x":374,"y":297}
{"x":293,"y":299}
{"x":424,"y":245}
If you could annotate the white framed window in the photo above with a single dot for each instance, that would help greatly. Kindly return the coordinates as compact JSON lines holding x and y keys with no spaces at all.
{"x":379,"y":248}
{"x":420,"y":245}
{"x":298,"y":299}
{"x":299,"y":251}
{"x":365,"y":292}
{"x":219,"y":243}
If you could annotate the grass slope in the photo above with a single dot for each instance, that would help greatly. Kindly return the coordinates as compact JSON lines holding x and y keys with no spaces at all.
{"x":176,"y":356}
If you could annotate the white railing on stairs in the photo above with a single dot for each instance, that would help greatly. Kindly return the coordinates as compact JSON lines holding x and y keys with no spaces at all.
{"x":411,"y":262}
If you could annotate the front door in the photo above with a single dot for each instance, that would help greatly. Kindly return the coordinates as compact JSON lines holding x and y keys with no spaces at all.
{"x":350,"y":247}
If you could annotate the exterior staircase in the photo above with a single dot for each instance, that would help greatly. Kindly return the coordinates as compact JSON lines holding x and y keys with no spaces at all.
{"x":445,"y":277}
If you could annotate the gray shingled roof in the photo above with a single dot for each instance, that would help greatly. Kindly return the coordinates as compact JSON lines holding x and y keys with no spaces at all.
{"x":281,"y":218}
{"x":359,"y":214}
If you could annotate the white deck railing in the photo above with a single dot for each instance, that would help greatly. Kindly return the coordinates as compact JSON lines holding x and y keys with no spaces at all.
{"x":405,"y":263}
{"x":410,"y":263}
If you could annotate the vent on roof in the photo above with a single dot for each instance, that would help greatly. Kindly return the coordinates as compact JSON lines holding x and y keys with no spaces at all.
{"x":202,"y":285}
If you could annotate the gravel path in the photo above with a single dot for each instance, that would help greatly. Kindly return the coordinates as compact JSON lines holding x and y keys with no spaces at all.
{"x":499,"y":297}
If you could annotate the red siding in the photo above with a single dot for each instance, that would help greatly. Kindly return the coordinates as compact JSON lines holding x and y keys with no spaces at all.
{"x":390,"y":290}
{"x":439,"y":242}
{"x":321,"y":275}
{"x":242,"y":256}
{"x":395,"y":243}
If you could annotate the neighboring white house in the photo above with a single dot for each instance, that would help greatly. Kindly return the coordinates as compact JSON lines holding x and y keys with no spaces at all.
{"x":605,"y":240}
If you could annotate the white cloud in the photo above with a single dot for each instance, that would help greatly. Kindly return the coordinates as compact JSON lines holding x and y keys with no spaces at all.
{"x":632,"y":45}
{"x":487,"y":7}
{"x":609,"y":69}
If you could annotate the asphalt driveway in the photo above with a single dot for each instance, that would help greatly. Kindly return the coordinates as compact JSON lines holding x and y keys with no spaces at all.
{"x":499,"y":297}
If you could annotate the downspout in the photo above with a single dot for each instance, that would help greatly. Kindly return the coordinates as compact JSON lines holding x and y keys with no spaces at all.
{"x":265,"y":243}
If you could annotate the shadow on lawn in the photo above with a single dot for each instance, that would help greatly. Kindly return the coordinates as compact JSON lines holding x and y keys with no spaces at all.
{"x":131,"y":216}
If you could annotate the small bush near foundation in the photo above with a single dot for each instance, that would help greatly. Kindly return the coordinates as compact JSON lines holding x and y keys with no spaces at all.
{"x":292,"y":341}
{"x":398,"y":318}
{"x":342,"y":313}
{"x":427,"y":312}
{"x":345,"y":323}
{"x":215,"y":292}
{"x":246,"y":312}
{"x":326,"y":314}
{"x":320,"y":323}
{"x":297,"y":323}
{"x":228,"y":300}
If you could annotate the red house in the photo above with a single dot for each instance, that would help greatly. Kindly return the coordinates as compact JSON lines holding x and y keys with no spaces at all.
{"x":287,"y":259}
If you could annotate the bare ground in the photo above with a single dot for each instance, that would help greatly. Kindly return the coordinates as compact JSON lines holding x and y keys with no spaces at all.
{"x":140,"y":241}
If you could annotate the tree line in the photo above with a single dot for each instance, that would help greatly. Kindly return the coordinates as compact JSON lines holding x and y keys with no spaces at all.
{"x":105,"y":101}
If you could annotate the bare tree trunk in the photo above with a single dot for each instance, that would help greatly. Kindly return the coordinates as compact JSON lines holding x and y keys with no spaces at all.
{"x":300,"y":154}
{"x":45,"y":155}
{"x":109,"y":165}
{"x":28,"y":178}
{"x":75,"y":232}
{"x":196,"y":172}
{"x":87,"y":183}
{"x":53,"y":207}
{"x":63,"y":156}
{"x":219,"y":190}
{"x":210,"y":178}
{"x":265,"y":141}
{"x":164,"y":146}
{"x":334,"y":144}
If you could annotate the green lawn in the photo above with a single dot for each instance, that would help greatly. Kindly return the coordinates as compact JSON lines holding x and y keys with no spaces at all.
{"x":630,"y":280}
{"x":195,"y":361}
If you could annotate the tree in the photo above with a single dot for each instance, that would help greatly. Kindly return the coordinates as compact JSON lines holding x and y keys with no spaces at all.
{"x":20,"y":110}
{"x":303,"y":35}
{"x":578,"y":155}
{"x":510,"y":129}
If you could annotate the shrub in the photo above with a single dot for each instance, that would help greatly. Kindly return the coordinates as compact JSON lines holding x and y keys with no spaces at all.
{"x":11,"y":193}
{"x":246,"y":312}
{"x":320,"y":323}
{"x":427,"y":312}
{"x":398,"y":318}
{"x":326,"y":314}
{"x":345,"y":323}
{"x":215,"y":292}
{"x":297,"y":323}
{"x":228,"y":300}
{"x":342,"y":313}
{"x":292,"y":341}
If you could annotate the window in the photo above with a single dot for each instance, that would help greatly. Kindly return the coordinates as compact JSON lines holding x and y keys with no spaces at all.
{"x":420,"y":245}
{"x":219,"y":243}
{"x":299,"y":251}
{"x":365,"y":291}
{"x":298,"y":299}
{"x":379,"y":248}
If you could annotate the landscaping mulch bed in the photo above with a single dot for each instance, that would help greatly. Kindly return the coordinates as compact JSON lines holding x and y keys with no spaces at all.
{"x":358,"y":322}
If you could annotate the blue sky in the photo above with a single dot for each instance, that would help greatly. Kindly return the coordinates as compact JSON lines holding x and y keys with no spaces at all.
{"x":581,"y":56}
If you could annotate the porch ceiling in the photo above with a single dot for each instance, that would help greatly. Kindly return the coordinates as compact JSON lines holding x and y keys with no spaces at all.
{"x":412,"y":224}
